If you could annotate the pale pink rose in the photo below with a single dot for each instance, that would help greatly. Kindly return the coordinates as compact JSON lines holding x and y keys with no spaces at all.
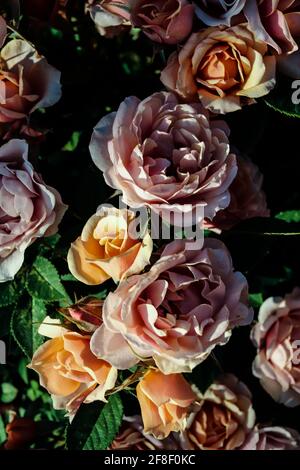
{"x":27,"y":82}
{"x":225,"y":419}
{"x":169,"y":156}
{"x":68,"y":369}
{"x":165,"y":402}
{"x":111,"y":17}
{"x":106,"y":248}
{"x":29,"y":209}
{"x":187,"y":303}
{"x":218,"y":12}
{"x":276,"y":22}
{"x":133,"y":437}
{"x":224,"y":68}
{"x":277,"y":338}
{"x":163,"y":21}
{"x":247,"y":199}
{"x":272,"y":438}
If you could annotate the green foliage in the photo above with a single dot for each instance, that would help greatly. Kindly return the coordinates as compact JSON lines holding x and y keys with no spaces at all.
{"x":95,"y":425}
{"x":43,"y":282}
{"x":8,"y":293}
{"x":2,"y":431}
{"x":289,"y":216}
{"x":25,"y":322}
{"x":7,"y":392}
{"x":280,"y":99}
{"x":256,"y":300}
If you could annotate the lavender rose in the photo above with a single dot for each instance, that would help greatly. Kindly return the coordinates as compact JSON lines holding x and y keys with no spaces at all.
{"x":29,"y":209}
{"x":187,"y":303}
{"x":164,"y":21}
{"x":169,"y":156}
{"x":272,"y":438}
{"x":218,"y":12}
{"x":277,"y":338}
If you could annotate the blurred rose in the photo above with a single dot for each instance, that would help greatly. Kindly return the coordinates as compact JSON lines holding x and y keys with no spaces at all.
{"x":20,"y":433}
{"x":168,"y":156}
{"x":164,"y":21}
{"x":225,"y":419}
{"x":29,"y":209}
{"x":218,"y":12}
{"x":247,"y":199}
{"x":165,"y":401}
{"x":272,"y":438}
{"x":224,"y":68}
{"x":3,"y":31}
{"x":68,"y":369}
{"x":133,"y":437}
{"x":106,"y":250}
{"x":277,"y":338}
{"x":27,"y":82}
{"x":276,"y":22}
{"x":177,"y":312}
{"x":87,"y":313}
{"x":109,"y":16}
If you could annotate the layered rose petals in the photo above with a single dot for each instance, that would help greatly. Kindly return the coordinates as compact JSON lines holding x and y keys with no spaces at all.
{"x":218,"y":12}
{"x":165,"y":155}
{"x":165,"y":402}
{"x":109,"y":16}
{"x":29,"y":209}
{"x":277,"y":338}
{"x":163,"y":21}
{"x":106,"y":250}
{"x":223,"y":68}
{"x":176,"y":313}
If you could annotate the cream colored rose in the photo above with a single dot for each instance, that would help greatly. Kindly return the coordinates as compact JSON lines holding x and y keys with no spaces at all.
{"x":106,"y":248}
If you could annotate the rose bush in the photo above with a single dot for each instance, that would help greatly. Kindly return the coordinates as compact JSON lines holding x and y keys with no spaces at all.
{"x":165,"y":155}
{"x":29,"y":209}
{"x":187,"y":303}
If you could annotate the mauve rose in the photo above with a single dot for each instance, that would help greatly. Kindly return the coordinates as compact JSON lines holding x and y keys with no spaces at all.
{"x":224,"y":68}
{"x":225,"y":419}
{"x":86,"y":313}
{"x":109,"y":16}
{"x":169,"y":156}
{"x":272,"y":438}
{"x":187,"y":303}
{"x":277,"y":338}
{"x":21,"y":432}
{"x":27,"y":82}
{"x":133,"y":437}
{"x":218,"y":12}
{"x":29,"y":209}
{"x":163,"y":21}
{"x":247,"y":199}
{"x":276,"y":22}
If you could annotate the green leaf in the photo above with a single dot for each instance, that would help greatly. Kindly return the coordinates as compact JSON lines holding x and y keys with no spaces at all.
{"x":68,"y":277}
{"x":281,"y":98}
{"x":43,"y":282}
{"x":73,"y":142}
{"x":256,"y":300}
{"x":2,"y":431}
{"x":23,"y":371}
{"x":8,"y":294}
{"x":95,"y":425}
{"x":289,"y":216}
{"x":25,"y":323}
{"x":8,"y":392}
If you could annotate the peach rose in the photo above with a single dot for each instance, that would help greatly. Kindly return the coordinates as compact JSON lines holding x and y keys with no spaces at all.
{"x":68,"y":369}
{"x":165,"y":401}
{"x":106,"y":250}
{"x":187,"y":303}
{"x":247,"y":199}
{"x":224,"y":68}
{"x":133,"y":437}
{"x":109,"y":16}
{"x":277,"y":338}
{"x":28,"y":83}
{"x":163,"y":21}
{"x":168,"y":156}
{"x":29,"y":209}
{"x":225,"y":419}
{"x":272,"y":438}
